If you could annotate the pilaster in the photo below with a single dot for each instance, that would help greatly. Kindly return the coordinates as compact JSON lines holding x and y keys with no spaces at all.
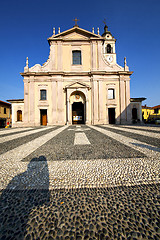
{"x":32,"y":101}
{"x":60,"y":101}
{"x":124,"y":99}
{"x":59,"y":56}
{"x":52,"y":56}
{"x":95,"y":100}
{"x":129,"y":115}
{"x":93,"y":55}
{"x":26,"y":101}
{"x":101,"y":105}
{"x":54,"y":102}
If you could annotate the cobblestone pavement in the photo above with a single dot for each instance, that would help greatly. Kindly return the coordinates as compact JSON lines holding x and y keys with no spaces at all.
{"x":80,"y":182}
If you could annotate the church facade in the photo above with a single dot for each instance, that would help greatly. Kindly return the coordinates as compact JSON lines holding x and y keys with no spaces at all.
{"x":81,"y":82}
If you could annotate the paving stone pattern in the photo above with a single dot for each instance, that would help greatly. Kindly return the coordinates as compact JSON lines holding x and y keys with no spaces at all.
{"x":142,"y":128}
{"x":102,"y":147}
{"x":6,"y":146}
{"x":3,"y":133}
{"x":108,"y":189}
{"x":149,"y":140}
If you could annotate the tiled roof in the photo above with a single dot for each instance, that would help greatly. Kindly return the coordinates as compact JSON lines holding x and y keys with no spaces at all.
{"x":158,"y":106}
{"x":5,"y":103}
{"x":146,"y":107}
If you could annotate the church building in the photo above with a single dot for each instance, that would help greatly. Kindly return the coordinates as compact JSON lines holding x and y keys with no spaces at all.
{"x":80,"y":83}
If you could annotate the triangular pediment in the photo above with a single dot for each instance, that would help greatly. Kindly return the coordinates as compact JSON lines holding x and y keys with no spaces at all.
{"x":75,"y":36}
{"x":77,"y":85}
{"x":75,"y":33}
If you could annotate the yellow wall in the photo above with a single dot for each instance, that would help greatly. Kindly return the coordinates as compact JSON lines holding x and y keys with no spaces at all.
{"x":2,"y":115}
{"x":146,"y":112}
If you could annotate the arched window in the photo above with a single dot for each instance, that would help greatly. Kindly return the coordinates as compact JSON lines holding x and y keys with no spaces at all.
{"x":109,"y":48}
{"x":43,"y":95}
{"x":19,"y":115}
{"x":76,"y":57}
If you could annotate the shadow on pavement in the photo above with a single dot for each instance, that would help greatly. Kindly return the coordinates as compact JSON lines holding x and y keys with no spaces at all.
{"x":25,"y":192}
{"x":155,"y":149}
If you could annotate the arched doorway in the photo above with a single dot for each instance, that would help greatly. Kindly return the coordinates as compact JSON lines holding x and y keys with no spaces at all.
{"x":77,"y":113}
{"x":134,"y":113}
{"x":78,"y":102}
{"x":19,"y":116}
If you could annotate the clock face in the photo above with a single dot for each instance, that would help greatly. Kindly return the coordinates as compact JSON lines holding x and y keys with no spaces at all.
{"x":110,"y":59}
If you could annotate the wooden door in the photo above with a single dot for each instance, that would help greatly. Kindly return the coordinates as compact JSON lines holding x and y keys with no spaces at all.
{"x":44,"y":117}
{"x":19,"y":115}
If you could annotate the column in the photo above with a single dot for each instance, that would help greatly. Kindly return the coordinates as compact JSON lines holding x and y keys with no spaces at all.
{"x":68,"y":112}
{"x":87,"y":112}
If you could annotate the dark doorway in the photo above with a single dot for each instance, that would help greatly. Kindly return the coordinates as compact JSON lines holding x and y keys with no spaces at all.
{"x":77,"y":113}
{"x":2,"y":122}
{"x":43,"y":116}
{"x":134,"y":113}
{"x":111,"y":115}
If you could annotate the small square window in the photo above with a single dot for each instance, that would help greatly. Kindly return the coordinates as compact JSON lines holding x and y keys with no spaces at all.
{"x":43,"y":95}
{"x":76,"y":57}
{"x":111,"y":94}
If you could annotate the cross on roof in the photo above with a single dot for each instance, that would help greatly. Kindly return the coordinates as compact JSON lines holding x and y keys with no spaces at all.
{"x":104,"y":21}
{"x":76,"y":20}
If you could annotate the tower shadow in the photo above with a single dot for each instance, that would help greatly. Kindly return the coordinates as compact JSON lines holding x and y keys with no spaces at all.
{"x":26,"y":192}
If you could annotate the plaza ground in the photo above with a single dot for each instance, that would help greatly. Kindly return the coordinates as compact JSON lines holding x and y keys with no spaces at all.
{"x":80,"y":182}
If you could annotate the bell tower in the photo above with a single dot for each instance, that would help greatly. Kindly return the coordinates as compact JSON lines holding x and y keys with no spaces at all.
{"x":109,"y":46}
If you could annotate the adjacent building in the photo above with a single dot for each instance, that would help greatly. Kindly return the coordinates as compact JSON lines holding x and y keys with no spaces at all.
{"x":80,"y":82}
{"x":136,"y":108}
{"x":5,"y":114}
{"x":151,"y":114}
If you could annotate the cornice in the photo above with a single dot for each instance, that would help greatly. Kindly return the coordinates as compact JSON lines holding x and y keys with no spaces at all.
{"x":76,"y":40}
{"x":90,"y":73}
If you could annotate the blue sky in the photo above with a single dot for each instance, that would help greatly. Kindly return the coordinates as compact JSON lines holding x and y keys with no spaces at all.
{"x":26,"y":25}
